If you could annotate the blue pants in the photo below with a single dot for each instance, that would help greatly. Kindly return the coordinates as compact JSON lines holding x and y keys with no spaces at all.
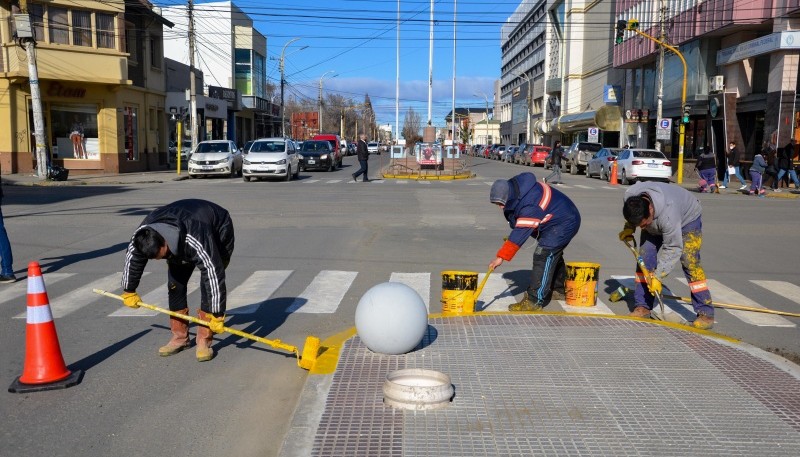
{"x":792,"y":176}
{"x":6,"y":258}
{"x":548,"y":273}
{"x":362,"y":171}
{"x":690,"y":261}
{"x":709,"y":175}
{"x":738,"y":175}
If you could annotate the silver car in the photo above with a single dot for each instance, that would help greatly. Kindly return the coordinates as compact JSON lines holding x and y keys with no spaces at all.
{"x":215,"y":157}
{"x":600,"y":164}
{"x":271,"y":158}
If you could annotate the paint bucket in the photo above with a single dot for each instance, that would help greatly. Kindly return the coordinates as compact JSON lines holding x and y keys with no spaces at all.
{"x":458,"y":292}
{"x":581,"y":284}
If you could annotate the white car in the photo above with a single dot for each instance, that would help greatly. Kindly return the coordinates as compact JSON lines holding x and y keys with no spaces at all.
{"x":215,"y":157}
{"x":640,"y":164}
{"x":373,"y":147}
{"x":271,"y":157}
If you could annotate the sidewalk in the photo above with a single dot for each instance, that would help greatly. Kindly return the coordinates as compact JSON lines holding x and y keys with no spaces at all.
{"x":29,"y":179}
{"x":555,"y":384}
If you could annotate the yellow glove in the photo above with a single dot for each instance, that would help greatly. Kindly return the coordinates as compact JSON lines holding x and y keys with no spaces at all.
{"x":627,"y":232}
{"x":131,"y":299}
{"x":654,"y":284}
{"x":216,"y":324}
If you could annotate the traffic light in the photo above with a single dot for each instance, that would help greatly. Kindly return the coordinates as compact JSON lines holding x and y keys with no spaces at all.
{"x":633,"y":24}
{"x":687,"y":111}
{"x":621,"y":26}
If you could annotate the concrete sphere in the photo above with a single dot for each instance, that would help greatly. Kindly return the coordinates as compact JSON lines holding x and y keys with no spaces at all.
{"x":391,"y":318}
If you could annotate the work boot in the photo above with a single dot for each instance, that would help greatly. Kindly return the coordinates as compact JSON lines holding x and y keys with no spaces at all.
{"x":558,"y":295}
{"x":703,"y":322}
{"x":180,"y":335}
{"x":526,"y":304}
{"x":205,"y":336}
{"x":640,"y":311}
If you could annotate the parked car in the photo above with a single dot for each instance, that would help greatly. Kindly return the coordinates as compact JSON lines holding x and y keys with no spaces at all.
{"x":579,"y":154}
{"x":640,"y":164}
{"x":271,"y":157}
{"x":351,"y":149}
{"x":600,"y":164}
{"x":373,"y":147}
{"x":497,"y":151}
{"x":318,"y":155}
{"x":519,"y":154}
{"x":246,"y":147}
{"x":215,"y":157}
{"x":335,"y":142}
{"x":383,"y":147}
{"x":186,"y":150}
{"x":538,"y":155}
{"x":508,"y":154}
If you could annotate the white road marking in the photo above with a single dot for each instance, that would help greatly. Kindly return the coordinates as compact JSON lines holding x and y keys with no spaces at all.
{"x":158,"y":297}
{"x":725,"y":294}
{"x":684,"y":310}
{"x":333,"y":181}
{"x":496,"y":294}
{"x":257,"y":289}
{"x":310,"y":181}
{"x":324,"y":293}
{"x":784,"y":289}
{"x":19,"y":290}
{"x":420,"y":282}
{"x":78,"y":298}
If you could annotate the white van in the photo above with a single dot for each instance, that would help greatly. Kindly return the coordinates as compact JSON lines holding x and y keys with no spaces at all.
{"x":271,"y":157}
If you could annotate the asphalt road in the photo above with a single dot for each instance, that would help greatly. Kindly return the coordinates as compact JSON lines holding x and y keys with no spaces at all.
{"x":306,"y":251}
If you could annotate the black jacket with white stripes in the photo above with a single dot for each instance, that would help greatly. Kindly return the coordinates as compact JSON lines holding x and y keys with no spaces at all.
{"x":205,"y":239}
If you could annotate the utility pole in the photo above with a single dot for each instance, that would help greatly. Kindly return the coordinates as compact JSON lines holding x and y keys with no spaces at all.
{"x":25,"y":34}
{"x":660,"y":102}
{"x":319,"y":118}
{"x":283,"y":83}
{"x":192,"y":82}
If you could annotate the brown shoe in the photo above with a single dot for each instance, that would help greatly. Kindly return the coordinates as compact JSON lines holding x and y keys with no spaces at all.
{"x":180,"y":335}
{"x":640,"y":311}
{"x":526,"y":304}
{"x":703,"y":322}
{"x":205,"y":336}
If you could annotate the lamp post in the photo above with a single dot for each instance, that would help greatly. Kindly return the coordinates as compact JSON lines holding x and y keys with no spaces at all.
{"x":283,"y":82}
{"x":487,"y":114}
{"x":319,"y":115}
{"x":528,"y":103}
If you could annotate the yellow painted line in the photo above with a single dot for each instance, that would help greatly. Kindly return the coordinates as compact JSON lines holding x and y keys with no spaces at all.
{"x":332,"y":346}
{"x":415,"y":177}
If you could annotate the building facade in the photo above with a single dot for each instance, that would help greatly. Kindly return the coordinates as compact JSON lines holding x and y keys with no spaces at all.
{"x":101,"y":78}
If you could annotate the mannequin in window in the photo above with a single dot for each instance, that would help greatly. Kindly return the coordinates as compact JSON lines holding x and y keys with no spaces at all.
{"x":76,"y":135}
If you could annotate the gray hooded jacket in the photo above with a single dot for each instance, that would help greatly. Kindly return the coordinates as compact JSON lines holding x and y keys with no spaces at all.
{"x":674,"y":207}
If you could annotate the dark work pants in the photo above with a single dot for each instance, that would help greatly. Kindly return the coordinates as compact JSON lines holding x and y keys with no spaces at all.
{"x":548,"y":273}
{"x":363,"y":170}
{"x":178,"y":275}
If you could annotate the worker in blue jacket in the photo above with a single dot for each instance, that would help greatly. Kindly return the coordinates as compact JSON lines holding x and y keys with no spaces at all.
{"x":534,"y":209}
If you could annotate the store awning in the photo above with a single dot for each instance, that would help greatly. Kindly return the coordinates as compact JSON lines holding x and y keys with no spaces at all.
{"x":609,"y":117}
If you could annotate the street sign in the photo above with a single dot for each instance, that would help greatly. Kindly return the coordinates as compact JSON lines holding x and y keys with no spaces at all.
{"x":594,"y":135}
{"x":664,"y":129}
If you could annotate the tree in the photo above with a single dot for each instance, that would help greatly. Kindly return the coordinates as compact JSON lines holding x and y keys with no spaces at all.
{"x":369,"y":118}
{"x":411,"y":128}
{"x":465,"y":133}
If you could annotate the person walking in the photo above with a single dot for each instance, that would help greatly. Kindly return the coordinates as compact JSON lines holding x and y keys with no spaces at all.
{"x":707,"y":169}
{"x":786,"y":164}
{"x":535,"y":210}
{"x":6,"y":256}
{"x":188,"y":234}
{"x":556,"y":153}
{"x":757,"y":170}
{"x":669,"y":217}
{"x":733,"y":163}
{"x":770,"y":176}
{"x":363,"y":158}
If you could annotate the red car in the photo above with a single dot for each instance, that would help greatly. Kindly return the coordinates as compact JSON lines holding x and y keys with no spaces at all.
{"x":538,"y":155}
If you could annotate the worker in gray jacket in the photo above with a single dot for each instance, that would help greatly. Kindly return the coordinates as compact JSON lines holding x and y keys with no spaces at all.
{"x":670,"y":219}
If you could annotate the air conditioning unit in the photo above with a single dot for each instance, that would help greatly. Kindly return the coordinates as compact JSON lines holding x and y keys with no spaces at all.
{"x":716,"y":83}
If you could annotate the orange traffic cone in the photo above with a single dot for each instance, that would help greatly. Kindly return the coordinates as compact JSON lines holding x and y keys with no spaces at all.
{"x":44,"y":367}
{"x":612,"y":178}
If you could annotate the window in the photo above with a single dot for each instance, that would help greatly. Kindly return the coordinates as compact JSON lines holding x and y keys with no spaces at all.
{"x":58,"y":25}
{"x":37,"y":21}
{"x":243,"y":71}
{"x":81,"y":28}
{"x":131,"y":43}
{"x":105,"y":30}
{"x":155,"y":51}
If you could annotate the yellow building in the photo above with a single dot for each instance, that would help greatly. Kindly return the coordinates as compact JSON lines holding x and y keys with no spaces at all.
{"x":101,"y":77}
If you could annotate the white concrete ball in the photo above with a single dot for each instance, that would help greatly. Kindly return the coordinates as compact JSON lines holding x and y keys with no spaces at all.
{"x":391,"y":318}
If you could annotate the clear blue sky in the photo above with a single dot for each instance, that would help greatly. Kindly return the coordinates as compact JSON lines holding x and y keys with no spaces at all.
{"x":357,"y":40}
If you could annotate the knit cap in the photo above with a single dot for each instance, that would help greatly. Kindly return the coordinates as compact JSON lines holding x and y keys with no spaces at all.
{"x":499,"y":192}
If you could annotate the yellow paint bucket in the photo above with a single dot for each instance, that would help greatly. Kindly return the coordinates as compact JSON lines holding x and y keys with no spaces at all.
{"x":458,"y":292}
{"x":581,"y":284}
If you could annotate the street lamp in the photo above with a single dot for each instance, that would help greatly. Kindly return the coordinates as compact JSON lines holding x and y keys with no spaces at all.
{"x":319,"y":116}
{"x":487,"y":113}
{"x":527,"y":78}
{"x":283,"y":82}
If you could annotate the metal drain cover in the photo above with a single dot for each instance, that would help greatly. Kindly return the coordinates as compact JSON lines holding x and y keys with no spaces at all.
{"x":417,"y":389}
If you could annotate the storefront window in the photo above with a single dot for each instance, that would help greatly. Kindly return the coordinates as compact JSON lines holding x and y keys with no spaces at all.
{"x":130,"y":126}
{"x":74,"y":132}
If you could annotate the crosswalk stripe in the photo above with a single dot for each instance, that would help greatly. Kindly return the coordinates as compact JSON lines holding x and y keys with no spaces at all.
{"x":685,"y":311}
{"x":724,"y":294}
{"x":324,"y":293}
{"x":598,"y":308}
{"x":310,"y":181}
{"x":333,"y":181}
{"x":157,"y":297}
{"x":78,"y":298}
{"x":402,"y":181}
{"x":782,"y":288}
{"x":257,"y":289}
{"x":581,"y":186}
{"x":496,"y":294}
{"x":19,"y":290}
{"x":425,"y":182}
{"x":420,"y":282}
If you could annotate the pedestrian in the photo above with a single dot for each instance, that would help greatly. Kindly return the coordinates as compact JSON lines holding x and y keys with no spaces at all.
{"x":786,"y":164}
{"x":534,"y":209}
{"x":187,"y":234}
{"x":6,"y":256}
{"x":670,"y":219}
{"x":733,"y":166}
{"x":363,"y":158}
{"x":707,"y":169}
{"x":771,"y":172}
{"x":757,"y":170}
{"x":556,"y":153}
